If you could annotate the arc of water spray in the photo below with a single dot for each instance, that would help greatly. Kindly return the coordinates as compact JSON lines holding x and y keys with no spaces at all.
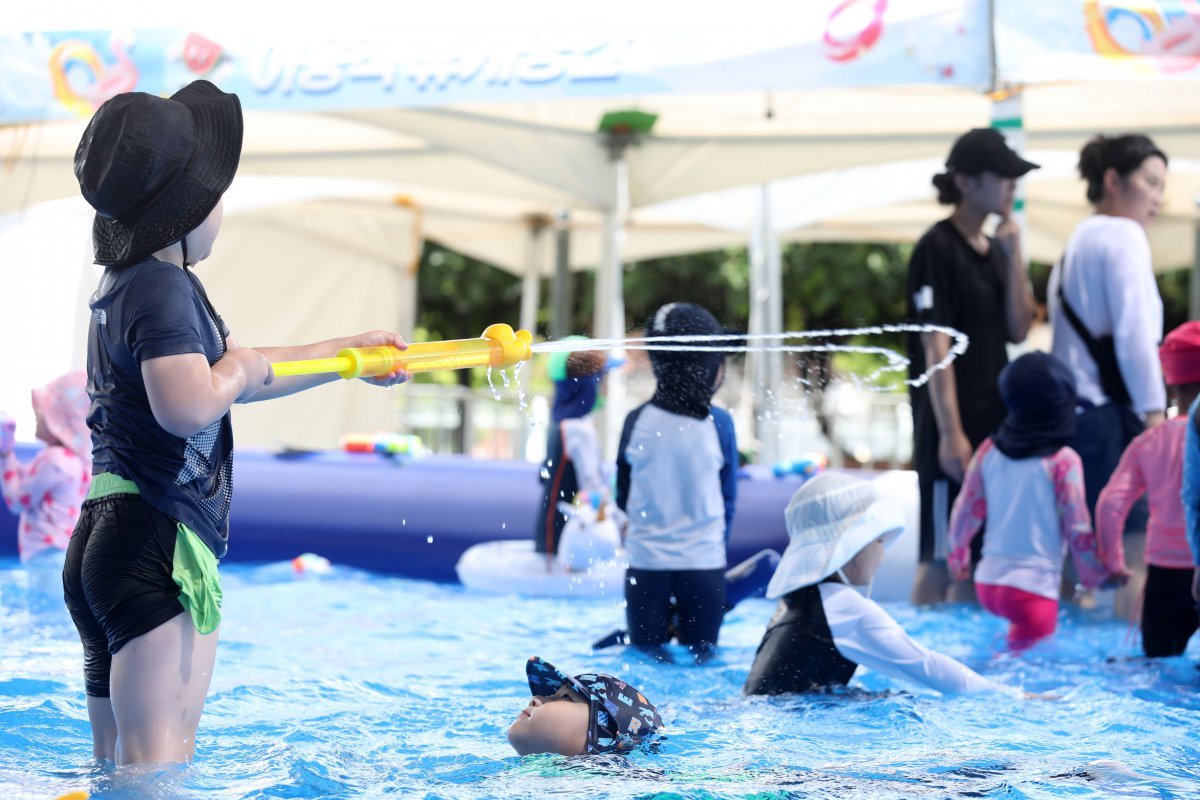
{"x":722,"y":343}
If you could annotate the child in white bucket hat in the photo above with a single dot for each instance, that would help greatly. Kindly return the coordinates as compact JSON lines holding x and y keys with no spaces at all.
{"x":823,"y":628}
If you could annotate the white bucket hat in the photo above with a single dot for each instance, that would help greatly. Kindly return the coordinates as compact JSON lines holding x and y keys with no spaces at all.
{"x":829,"y":520}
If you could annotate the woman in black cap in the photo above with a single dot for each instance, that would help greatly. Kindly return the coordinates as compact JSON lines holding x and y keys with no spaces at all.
{"x":961,"y":278}
{"x":141,"y":577}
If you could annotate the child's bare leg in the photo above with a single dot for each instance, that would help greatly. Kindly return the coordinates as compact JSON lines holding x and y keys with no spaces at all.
{"x":159,"y":683}
{"x":104,"y":728}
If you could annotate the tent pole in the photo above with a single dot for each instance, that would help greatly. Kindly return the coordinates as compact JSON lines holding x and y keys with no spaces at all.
{"x":560,"y":316}
{"x":766,"y":316}
{"x":530,"y":285}
{"x":610,"y":301}
{"x":774,"y":324}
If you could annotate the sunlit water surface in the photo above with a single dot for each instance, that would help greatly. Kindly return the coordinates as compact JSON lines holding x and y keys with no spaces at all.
{"x":356,"y":685}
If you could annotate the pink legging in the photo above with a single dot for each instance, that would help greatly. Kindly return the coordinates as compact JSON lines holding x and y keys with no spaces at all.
{"x":1033,"y":617}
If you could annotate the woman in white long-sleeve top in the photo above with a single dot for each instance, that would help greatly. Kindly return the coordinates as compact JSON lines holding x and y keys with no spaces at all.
{"x":824,"y":628}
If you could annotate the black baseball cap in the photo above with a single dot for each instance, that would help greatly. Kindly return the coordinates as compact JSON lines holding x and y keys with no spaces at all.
{"x":984,"y":149}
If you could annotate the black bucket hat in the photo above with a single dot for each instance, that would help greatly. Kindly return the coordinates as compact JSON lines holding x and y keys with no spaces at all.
{"x":620,"y":718}
{"x":154,"y":168}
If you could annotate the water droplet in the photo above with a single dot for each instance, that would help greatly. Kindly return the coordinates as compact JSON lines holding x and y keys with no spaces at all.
{"x":429,"y":540}
{"x":545,"y":473}
{"x":643,"y":515}
{"x":632,"y":581}
{"x":503,"y":525}
{"x":492,"y":386}
{"x":504,"y":377}
{"x":403,"y":522}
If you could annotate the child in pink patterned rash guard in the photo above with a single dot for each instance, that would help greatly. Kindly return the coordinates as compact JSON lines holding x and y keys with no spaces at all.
{"x":1028,"y":486}
{"x":48,"y":491}
{"x":1152,"y":465}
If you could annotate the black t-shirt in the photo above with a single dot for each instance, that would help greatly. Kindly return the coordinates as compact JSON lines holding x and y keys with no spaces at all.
{"x":951,"y":284}
{"x":148,"y":310}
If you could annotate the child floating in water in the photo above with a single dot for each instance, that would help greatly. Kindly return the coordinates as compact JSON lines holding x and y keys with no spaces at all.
{"x":823,"y":628}
{"x":1027,"y":484}
{"x":585,"y":715}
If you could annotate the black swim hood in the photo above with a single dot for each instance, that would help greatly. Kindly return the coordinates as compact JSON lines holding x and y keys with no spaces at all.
{"x":687,"y":380}
{"x":1039,"y":392}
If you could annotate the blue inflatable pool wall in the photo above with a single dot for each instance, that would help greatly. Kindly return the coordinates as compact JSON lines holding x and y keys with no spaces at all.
{"x":413,"y":518}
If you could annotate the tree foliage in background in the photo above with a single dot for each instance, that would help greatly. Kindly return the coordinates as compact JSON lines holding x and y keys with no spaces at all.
{"x":825,"y":285}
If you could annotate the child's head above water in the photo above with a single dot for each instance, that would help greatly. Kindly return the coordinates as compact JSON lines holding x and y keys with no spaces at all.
{"x":687,"y":378}
{"x":584,"y":715}
{"x":1039,"y":392}
{"x":1180,"y":356}
{"x":836,"y":524}
{"x":61,"y":408}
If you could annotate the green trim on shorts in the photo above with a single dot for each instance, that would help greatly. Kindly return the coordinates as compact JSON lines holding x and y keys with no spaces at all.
{"x":107,"y":483}
{"x":193,"y":568}
{"x":195,"y":572}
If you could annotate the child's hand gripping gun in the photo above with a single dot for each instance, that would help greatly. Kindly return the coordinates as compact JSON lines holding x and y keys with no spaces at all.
{"x":499,"y":347}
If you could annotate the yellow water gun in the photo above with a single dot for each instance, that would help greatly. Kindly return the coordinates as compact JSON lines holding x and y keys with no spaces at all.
{"x":499,"y":347}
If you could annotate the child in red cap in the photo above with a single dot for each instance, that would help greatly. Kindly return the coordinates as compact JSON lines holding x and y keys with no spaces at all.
{"x":1153,"y":465}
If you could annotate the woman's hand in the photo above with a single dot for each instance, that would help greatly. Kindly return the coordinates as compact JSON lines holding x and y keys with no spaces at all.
{"x":954,"y":454}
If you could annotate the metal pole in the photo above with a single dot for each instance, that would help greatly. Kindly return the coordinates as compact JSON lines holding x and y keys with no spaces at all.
{"x":560,"y":317}
{"x":610,"y":301}
{"x":530,"y":286}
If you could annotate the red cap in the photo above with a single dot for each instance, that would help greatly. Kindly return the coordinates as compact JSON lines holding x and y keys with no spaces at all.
{"x":1180,"y":355}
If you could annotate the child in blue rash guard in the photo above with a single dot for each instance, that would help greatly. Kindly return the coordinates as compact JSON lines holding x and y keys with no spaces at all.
{"x":588,"y":714}
{"x":677,"y":483}
{"x":573,"y":464}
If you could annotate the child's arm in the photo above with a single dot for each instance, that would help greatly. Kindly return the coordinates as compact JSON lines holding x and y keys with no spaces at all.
{"x":582,"y":447}
{"x":866,"y":634}
{"x":326,"y":349}
{"x":623,"y":468}
{"x":1066,"y":473}
{"x":187,"y":395}
{"x":29,"y":485}
{"x":728,"y":438}
{"x":1124,"y":487}
{"x":968,"y":516}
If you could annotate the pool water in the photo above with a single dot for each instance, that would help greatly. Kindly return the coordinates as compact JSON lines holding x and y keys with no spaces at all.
{"x":356,"y":685}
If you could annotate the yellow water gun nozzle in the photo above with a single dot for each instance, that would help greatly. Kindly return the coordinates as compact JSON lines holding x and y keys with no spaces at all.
{"x":499,"y":347}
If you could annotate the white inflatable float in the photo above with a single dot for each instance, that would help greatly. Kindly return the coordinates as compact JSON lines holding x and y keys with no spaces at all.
{"x":589,"y":563}
{"x":512,"y":566}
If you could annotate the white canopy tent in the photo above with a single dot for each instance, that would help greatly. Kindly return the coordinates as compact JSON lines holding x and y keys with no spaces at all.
{"x":728,"y":115}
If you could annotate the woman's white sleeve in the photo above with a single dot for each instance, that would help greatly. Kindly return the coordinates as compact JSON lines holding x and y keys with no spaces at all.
{"x":1137,"y":317}
{"x":863,"y":632}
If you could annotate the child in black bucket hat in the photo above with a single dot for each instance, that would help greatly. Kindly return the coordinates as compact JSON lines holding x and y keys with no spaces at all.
{"x":141,"y":577}
{"x":588,"y":714}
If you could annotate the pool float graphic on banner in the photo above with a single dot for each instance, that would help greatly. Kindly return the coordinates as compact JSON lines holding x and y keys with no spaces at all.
{"x":1164,"y":37}
{"x":83,"y":80}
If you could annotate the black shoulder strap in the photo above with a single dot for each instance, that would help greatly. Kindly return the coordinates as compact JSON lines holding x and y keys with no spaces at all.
{"x":1111,"y":380}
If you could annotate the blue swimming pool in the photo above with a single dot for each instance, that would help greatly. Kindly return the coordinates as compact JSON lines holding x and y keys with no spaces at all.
{"x":356,"y":685}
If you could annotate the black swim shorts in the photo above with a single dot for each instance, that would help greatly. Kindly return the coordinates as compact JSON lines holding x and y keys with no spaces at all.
{"x":118,"y":579}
